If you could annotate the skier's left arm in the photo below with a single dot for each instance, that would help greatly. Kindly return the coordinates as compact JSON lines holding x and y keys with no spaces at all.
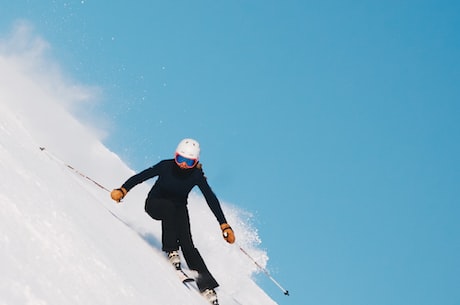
{"x":214,"y":205}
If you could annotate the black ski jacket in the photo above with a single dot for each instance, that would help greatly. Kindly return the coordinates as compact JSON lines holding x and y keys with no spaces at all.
{"x":175,"y":183}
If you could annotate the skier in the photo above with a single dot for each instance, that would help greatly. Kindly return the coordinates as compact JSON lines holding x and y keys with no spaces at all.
{"x":167,"y":201}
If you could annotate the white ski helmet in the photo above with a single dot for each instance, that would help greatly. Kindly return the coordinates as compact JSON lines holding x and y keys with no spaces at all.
{"x":189,"y":148}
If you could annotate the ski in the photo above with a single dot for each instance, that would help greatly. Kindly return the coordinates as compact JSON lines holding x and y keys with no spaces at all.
{"x":190,"y":283}
{"x":209,"y":295}
{"x":183,"y":277}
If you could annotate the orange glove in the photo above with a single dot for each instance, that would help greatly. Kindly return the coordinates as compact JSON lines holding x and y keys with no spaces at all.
{"x":118,"y":194}
{"x":227,"y":233}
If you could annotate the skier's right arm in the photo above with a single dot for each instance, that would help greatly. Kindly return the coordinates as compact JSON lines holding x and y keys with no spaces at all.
{"x":120,"y":193}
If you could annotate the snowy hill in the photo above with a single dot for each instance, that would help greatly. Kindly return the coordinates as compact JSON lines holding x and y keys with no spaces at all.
{"x":63,"y":240}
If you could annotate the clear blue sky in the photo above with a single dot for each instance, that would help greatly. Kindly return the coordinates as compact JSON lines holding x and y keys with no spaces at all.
{"x":335,"y":122}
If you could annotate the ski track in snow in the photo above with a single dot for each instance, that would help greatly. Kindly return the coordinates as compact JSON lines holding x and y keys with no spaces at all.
{"x":64,"y":241}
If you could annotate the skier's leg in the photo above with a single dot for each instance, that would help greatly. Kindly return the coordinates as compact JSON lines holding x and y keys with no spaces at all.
{"x":192,"y":256}
{"x":165,"y":211}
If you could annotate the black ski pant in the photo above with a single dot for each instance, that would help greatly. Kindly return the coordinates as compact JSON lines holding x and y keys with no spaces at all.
{"x":175,"y":224}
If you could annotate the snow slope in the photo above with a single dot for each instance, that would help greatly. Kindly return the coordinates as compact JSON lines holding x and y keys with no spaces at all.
{"x":62,"y":239}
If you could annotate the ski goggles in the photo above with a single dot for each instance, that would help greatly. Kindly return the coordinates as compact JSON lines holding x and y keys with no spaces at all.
{"x":189,"y":163}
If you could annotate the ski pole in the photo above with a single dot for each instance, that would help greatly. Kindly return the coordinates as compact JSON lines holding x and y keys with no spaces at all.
{"x":56,"y":159}
{"x":74,"y":169}
{"x":265,"y":271}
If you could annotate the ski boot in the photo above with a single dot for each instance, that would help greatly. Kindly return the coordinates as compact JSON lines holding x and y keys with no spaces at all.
{"x":211,"y":296}
{"x":174,"y":259}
